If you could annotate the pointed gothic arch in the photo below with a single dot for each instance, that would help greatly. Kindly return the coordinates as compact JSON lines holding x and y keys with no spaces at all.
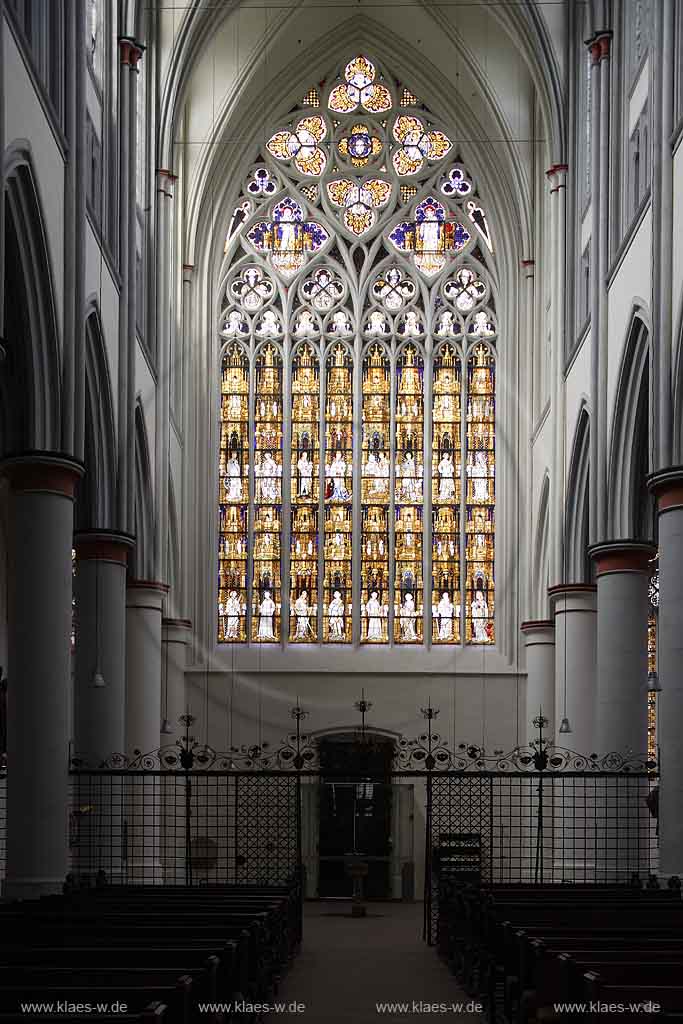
{"x":31,"y":375}
{"x":629,"y":510}
{"x":144,"y":501}
{"x":579,"y":566}
{"x":95,"y":506}
{"x":541,"y":563}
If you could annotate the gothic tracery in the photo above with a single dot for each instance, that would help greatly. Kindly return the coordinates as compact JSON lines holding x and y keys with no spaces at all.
{"x":358,"y":296}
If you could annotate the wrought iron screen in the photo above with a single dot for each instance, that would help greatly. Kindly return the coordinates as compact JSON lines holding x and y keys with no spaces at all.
{"x":488,"y":828}
{"x":184,"y":827}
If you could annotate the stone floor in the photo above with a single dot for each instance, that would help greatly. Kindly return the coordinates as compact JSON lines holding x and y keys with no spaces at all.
{"x":347,"y":966}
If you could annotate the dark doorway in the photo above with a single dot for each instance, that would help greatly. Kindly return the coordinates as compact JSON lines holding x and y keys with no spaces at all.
{"x":355,"y":813}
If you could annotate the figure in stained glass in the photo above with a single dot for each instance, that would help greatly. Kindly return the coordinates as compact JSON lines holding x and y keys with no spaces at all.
{"x":305,"y":468}
{"x":431,"y":237}
{"x":266,"y":630}
{"x":480,"y":617}
{"x":446,"y":478}
{"x":360,"y":146}
{"x":302,"y":611}
{"x":232,"y":611}
{"x":336,"y":614}
{"x":446,"y":612}
{"x":336,"y":473}
{"x":288,"y":238}
{"x":408,"y":615}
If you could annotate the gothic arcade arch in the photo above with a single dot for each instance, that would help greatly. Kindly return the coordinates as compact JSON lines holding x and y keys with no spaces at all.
{"x":630,"y":452}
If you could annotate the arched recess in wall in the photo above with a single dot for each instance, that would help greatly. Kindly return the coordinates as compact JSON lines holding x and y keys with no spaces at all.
{"x":30,"y":375}
{"x":541,"y":578}
{"x":678,"y":390}
{"x":96,"y":493}
{"x":578,"y":567}
{"x":144,"y":523}
{"x":629,"y":508}
{"x":173,"y":553}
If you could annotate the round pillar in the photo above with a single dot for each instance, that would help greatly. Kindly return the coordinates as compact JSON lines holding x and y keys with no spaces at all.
{"x":667,"y":486}
{"x":144,"y":796}
{"x":100,"y":659}
{"x":574,"y":836}
{"x":40,"y":532}
{"x":621,"y":569}
{"x":574,"y":607}
{"x":144,"y":602}
{"x":539,"y":640}
{"x":175,"y":635}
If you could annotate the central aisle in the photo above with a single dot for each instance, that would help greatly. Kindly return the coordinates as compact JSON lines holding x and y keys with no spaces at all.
{"x":347,"y":966}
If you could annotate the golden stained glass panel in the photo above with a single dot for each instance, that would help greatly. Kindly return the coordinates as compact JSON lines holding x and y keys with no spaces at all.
{"x":266,"y":596}
{"x":409,"y":484}
{"x":233,"y":495}
{"x":446,"y":494}
{"x":480,"y":500}
{"x":305,"y":493}
{"x":375,"y":480}
{"x":337,"y":596}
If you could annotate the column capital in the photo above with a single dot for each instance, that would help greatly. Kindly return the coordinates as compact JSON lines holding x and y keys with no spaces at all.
{"x":573,"y":597}
{"x":146,"y":595}
{"x":557,"y":174}
{"x":43,"y":472}
{"x":176,"y":631}
{"x":571,"y":588}
{"x":131,"y":51}
{"x":667,"y":487}
{"x":150,"y":585}
{"x":622,"y":556}
{"x":103,"y":546}
{"x":166,"y":181}
{"x":538,"y":631}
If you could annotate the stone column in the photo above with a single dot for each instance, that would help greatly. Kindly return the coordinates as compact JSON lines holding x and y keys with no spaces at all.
{"x":100,"y":658}
{"x":144,"y":601}
{"x":668,"y":488}
{"x":100,"y":697}
{"x":40,"y":532}
{"x":557,"y":176}
{"x":573,"y":806}
{"x":175,"y":635}
{"x":574,"y":608}
{"x":621,"y":687}
{"x":539,"y":639}
{"x":621,"y":704}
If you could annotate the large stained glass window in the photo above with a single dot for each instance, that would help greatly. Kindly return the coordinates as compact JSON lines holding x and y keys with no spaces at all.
{"x":358,"y":354}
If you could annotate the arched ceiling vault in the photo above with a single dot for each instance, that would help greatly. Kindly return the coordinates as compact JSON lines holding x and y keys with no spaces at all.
{"x":483,"y":74}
